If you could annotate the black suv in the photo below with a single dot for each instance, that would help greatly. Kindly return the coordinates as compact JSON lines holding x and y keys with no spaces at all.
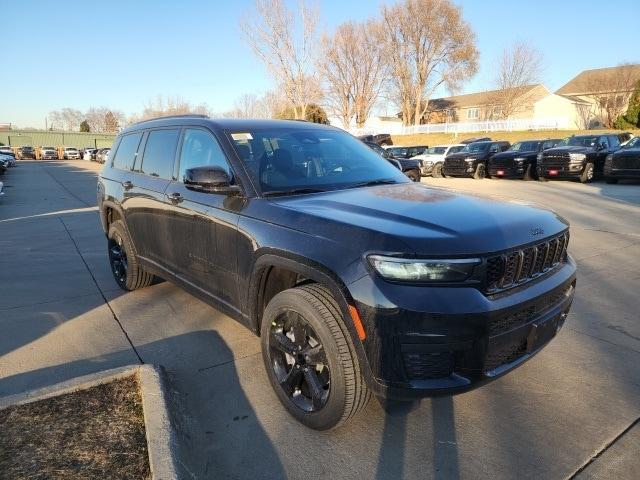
{"x":472,"y":160}
{"x":26,"y":152}
{"x":580,"y":157}
{"x":623,"y":164}
{"x":520,"y":161}
{"x":356,"y":279}
{"x":410,"y":167}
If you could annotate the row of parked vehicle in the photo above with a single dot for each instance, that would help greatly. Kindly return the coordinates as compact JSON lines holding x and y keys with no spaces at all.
{"x":56,"y":153}
{"x":7,"y":161}
{"x":611,"y":156}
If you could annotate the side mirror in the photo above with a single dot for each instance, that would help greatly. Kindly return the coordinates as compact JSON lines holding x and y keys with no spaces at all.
{"x":210,"y":180}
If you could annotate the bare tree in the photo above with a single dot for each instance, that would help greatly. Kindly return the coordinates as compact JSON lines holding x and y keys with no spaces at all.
{"x":68,"y":119}
{"x":518,"y":67}
{"x":428,"y":45}
{"x":354,"y":70}
{"x":162,"y":106}
{"x":610,"y":92}
{"x":286,"y":43}
{"x":104,"y":119}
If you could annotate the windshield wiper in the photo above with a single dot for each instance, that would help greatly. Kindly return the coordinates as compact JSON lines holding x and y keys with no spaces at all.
{"x":293,"y":191}
{"x":371,"y":183}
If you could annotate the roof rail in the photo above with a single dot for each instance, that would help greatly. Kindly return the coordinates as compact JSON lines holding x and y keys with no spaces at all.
{"x":185,"y":115}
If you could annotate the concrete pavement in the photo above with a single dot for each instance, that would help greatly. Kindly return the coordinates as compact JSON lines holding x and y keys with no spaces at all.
{"x":568,"y":410}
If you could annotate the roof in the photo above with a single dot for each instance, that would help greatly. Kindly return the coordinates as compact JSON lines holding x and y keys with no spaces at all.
{"x":602,"y":80}
{"x":537,"y":91}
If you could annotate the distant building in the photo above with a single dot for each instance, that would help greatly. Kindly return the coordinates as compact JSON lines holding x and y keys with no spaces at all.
{"x":5,"y":127}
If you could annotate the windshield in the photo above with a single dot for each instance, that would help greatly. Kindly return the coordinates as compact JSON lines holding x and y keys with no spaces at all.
{"x":589,"y":141}
{"x":397,"y":151}
{"x":524,"y":147}
{"x":476,"y":147}
{"x":283,"y":159}
{"x":633,"y":143}
{"x":436,"y":150}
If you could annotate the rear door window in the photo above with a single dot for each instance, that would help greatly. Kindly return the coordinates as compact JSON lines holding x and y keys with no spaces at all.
{"x":160,"y":152}
{"x":126,"y":152}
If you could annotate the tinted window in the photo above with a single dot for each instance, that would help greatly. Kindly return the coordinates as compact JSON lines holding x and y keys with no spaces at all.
{"x":614,"y":142}
{"x":200,"y":149}
{"x":159,"y":153}
{"x":604,"y":142}
{"x":126,"y":153}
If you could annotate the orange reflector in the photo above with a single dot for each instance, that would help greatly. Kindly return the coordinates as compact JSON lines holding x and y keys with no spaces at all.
{"x":355,"y":316}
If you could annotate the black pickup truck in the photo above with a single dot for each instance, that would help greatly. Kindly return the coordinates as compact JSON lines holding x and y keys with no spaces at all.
{"x":579,"y":157}
{"x":520,"y":160}
{"x":623,"y":164}
{"x":472,"y":160}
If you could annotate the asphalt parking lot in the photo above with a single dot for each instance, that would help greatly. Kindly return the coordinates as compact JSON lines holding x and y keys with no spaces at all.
{"x":570,"y":412}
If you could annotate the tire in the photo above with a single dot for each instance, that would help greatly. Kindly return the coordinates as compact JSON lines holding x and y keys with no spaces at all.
{"x":342,"y":392}
{"x":480,"y":172}
{"x":587,"y":173}
{"x":529,"y":174}
{"x":125,"y":268}
{"x":437,"y":171}
{"x":414,"y":175}
{"x":611,"y":181}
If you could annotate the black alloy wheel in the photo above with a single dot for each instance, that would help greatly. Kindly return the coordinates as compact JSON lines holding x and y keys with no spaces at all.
{"x":118,"y":259}
{"x":299,"y":361}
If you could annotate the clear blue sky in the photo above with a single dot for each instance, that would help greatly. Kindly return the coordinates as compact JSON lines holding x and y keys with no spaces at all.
{"x":121,"y":53}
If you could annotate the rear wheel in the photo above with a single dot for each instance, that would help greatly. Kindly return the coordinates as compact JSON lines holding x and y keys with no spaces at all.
{"x":310,"y":359}
{"x":587,"y":173}
{"x":437,"y":171}
{"x":480,"y":172}
{"x":128,"y":274}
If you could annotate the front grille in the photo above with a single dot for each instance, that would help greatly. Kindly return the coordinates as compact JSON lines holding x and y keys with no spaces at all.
{"x":554,"y":159}
{"x":626,"y":162}
{"x":427,"y":366}
{"x":505,"y":354}
{"x":452,"y":170}
{"x":519,"y":318}
{"x":514,"y":268}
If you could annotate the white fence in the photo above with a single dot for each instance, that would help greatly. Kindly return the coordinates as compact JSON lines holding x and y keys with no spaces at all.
{"x":473,"y":127}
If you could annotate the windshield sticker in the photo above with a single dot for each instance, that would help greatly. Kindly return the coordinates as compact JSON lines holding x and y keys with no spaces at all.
{"x":241,"y":136}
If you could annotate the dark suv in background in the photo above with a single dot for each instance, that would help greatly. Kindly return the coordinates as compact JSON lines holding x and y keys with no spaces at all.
{"x":578,"y":157}
{"x":624,"y":163}
{"x":472,"y":160}
{"x":356,"y":279}
{"x":520,"y":161}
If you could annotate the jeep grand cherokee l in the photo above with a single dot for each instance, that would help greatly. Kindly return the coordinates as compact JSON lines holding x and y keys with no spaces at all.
{"x":623,"y":164}
{"x":520,"y":161}
{"x":580,"y":157}
{"x":472,"y":160}
{"x":356,"y":279}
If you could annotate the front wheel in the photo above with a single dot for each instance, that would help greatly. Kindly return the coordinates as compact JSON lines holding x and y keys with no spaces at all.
{"x":310,"y":359}
{"x":587,"y":173}
{"x":414,"y":175}
{"x":480,"y":172}
{"x":128,"y":274}
{"x":437,"y":171}
{"x":529,"y":173}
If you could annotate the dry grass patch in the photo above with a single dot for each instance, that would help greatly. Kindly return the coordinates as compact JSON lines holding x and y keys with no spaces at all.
{"x":444,"y":138}
{"x":93,"y":433}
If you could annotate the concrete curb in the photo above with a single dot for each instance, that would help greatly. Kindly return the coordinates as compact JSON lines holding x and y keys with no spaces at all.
{"x":162,"y":441}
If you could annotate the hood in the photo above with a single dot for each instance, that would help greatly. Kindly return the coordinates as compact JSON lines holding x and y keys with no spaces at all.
{"x":570,"y":149}
{"x":416,"y":219}
{"x":628,"y":152}
{"x":510,"y":154}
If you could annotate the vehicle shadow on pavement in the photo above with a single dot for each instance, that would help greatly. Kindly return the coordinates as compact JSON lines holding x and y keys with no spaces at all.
{"x":231,"y":434}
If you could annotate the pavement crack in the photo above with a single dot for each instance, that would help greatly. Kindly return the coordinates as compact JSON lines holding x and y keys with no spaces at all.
{"x":113,"y":314}
{"x":603,"y":340}
{"x":603,"y":449}
{"x":234,"y":359}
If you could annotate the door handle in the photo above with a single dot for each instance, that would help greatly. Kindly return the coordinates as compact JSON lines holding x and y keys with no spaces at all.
{"x":175,"y":197}
{"x":127,"y":185}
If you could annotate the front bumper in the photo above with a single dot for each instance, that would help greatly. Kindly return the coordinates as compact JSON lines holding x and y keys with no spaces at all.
{"x":507,"y":171}
{"x":444,"y":341}
{"x":570,"y":170}
{"x":459,"y":171}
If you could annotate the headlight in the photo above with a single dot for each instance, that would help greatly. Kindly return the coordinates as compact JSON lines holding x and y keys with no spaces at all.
{"x":415,"y":270}
{"x":469,"y":159}
{"x":577,"y":157}
{"x":427,"y":163}
{"x":518,"y":160}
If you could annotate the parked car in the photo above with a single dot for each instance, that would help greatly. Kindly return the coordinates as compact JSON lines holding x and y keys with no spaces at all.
{"x":409,"y":166}
{"x":7,"y":150}
{"x":89,"y":153}
{"x":407,"y":152}
{"x":4,"y":165}
{"x":382,"y":139}
{"x":624,"y":163}
{"x":102,"y":154}
{"x":472,"y":160}
{"x":520,"y":161}
{"x":10,"y":160}
{"x":26,"y":152}
{"x":577,"y":157}
{"x":432,"y":159}
{"x":71,"y":153}
{"x":1,"y":189}
{"x":357,"y":280}
{"x":48,"y":153}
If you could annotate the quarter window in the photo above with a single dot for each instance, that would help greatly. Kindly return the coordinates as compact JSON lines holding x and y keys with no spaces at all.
{"x":126,"y":153}
{"x":160,"y":152}
{"x":200,"y":149}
